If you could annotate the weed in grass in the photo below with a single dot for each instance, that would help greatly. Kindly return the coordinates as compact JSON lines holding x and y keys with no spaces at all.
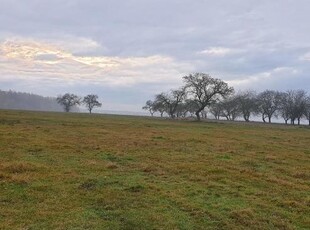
{"x":88,"y":185}
{"x":135,"y":188}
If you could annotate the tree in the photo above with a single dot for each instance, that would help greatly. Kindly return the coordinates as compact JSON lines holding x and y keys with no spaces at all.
{"x":27,"y":101}
{"x":190,"y":106}
{"x":293,"y":105}
{"x":247,"y":104}
{"x":68,"y":101}
{"x":269,"y":103}
{"x":285,"y":106}
{"x":307,"y":110}
{"x":205,"y":90}
{"x":230,"y":108}
{"x":171,"y":100}
{"x":91,"y":101}
{"x":159,"y":107}
{"x":216,"y":110}
{"x":149,"y":105}
{"x":299,"y":104}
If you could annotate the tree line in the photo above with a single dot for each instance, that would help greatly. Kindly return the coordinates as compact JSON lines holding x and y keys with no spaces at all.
{"x":28,"y":101}
{"x":202,"y":94}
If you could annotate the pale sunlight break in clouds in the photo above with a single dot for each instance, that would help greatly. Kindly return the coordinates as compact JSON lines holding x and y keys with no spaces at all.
{"x":30,"y":59}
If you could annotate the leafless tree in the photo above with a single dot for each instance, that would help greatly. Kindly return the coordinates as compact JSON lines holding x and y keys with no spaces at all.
{"x":149,"y":106}
{"x":286,"y":107}
{"x":216,"y":110}
{"x":247,"y":104}
{"x":230,"y":108}
{"x":293,"y":105}
{"x":68,"y":101}
{"x":269,"y":103}
{"x":160,"y":107}
{"x":205,"y":90}
{"x":172,"y":100}
{"x":91,"y":101}
{"x":300,"y":104}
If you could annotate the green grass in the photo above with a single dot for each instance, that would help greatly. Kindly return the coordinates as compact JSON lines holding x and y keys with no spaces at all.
{"x":80,"y":171}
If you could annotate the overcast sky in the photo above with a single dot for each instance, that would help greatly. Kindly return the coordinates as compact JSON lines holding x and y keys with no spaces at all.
{"x":127,"y":51}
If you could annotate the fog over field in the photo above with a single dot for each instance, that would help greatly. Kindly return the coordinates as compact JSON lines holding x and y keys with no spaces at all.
{"x":126,"y":51}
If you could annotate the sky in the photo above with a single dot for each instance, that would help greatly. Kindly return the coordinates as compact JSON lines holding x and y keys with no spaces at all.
{"x":128,"y":51}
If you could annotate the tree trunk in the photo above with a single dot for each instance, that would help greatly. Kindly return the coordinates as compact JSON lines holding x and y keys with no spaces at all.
{"x":198,"y":115}
{"x":263,"y":117}
{"x":269,"y":119}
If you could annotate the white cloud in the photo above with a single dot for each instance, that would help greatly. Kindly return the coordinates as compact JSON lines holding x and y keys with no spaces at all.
{"x":218,"y":51}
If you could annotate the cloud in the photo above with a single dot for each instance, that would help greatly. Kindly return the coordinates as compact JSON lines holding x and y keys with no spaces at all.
{"x":280,"y":78}
{"x":33,"y":60}
{"x":218,"y":51}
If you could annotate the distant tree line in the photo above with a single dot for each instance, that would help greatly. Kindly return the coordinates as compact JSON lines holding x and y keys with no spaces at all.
{"x":27,"y":101}
{"x":202,"y":94}
{"x":69,"y":100}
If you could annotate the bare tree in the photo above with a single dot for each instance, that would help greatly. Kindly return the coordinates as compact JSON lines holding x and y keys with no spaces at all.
{"x":293,"y":105}
{"x":205,"y":90}
{"x":247,"y":104}
{"x":159,"y":107}
{"x":300,"y":104}
{"x":91,"y":101}
{"x":149,"y":105}
{"x":216,"y":110}
{"x":68,"y":101}
{"x":285,"y":106}
{"x":230,"y":108}
{"x":269,"y":103}
{"x":172,"y":100}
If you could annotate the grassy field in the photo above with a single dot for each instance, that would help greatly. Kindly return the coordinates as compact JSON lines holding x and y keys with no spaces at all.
{"x":80,"y":171}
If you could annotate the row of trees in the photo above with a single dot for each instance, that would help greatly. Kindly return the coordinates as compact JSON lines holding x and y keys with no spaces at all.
{"x":69,"y":101}
{"x":27,"y":101}
{"x":201,"y":94}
